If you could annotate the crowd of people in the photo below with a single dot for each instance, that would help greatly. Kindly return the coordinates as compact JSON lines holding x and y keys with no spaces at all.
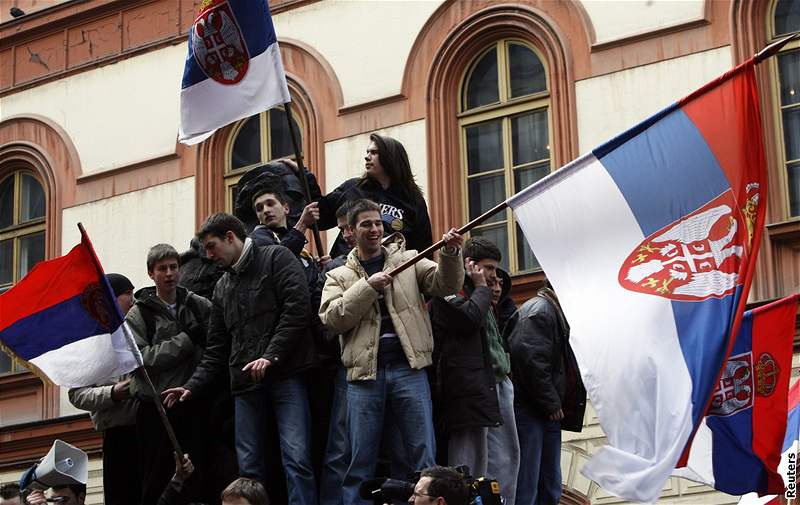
{"x":314,"y":375}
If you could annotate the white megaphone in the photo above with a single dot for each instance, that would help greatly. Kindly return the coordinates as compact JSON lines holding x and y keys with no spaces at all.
{"x":63,"y":465}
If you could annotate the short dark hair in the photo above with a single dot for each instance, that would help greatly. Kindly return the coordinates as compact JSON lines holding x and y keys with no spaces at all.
{"x":344,"y":209}
{"x":221,"y":223}
{"x":160,"y":252}
{"x":481,"y":248}
{"x":359,"y":206}
{"x":272,"y":190}
{"x":249,"y":489}
{"x":76,"y":489}
{"x":447,"y":483}
{"x":10,"y":490}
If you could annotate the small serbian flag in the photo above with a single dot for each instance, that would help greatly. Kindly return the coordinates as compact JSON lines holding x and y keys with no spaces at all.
{"x":650,"y":242}
{"x":63,"y":319}
{"x":738,"y":447}
{"x":788,"y":467}
{"x":233,"y":69}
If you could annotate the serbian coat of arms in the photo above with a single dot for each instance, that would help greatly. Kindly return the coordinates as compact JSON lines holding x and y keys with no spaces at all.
{"x":695,"y":257}
{"x":734,"y":391}
{"x":218,"y":45}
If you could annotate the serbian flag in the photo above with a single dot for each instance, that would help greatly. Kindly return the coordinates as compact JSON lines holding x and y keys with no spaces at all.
{"x":233,"y":69}
{"x":64,"y":321}
{"x":650,"y":242}
{"x":788,"y":466}
{"x":738,"y":447}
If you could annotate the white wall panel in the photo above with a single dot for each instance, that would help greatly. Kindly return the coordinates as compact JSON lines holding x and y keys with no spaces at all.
{"x":615,"y":19}
{"x":115,"y":115}
{"x":612,"y":103}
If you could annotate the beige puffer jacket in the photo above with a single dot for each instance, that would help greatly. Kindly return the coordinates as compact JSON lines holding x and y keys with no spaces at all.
{"x":350,"y":307}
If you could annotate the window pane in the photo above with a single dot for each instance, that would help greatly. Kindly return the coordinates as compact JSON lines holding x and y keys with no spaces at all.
{"x":794,"y":188}
{"x":525,"y":176}
{"x":787,"y":16}
{"x":31,"y":252}
{"x":247,"y":146}
{"x":789,"y":67}
{"x":281,"y":142}
{"x":485,"y":146}
{"x":527,"y":261}
{"x":482,"y":88}
{"x":529,"y":137}
{"x":527,"y":71}
{"x":499,"y":236}
{"x":31,"y":199}
{"x":7,"y":202}
{"x":5,"y":363}
{"x":485,"y":193}
{"x":791,"y":133}
{"x":6,"y":262}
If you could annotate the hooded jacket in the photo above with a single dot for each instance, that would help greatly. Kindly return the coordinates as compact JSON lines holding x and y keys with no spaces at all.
{"x":350,"y":307}
{"x":400,"y":212}
{"x":261,"y":311}
{"x":171,"y":344}
{"x":544,"y":369}
{"x":464,"y":385}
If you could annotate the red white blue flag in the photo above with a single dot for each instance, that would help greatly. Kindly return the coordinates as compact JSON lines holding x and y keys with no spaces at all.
{"x":64,"y":321}
{"x":650,"y":242}
{"x":738,"y":447}
{"x":233,"y":69}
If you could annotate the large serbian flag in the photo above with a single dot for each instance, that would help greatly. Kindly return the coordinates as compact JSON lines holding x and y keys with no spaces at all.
{"x":63,"y":319}
{"x":738,"y":447}
{"x":233,"y":69}
{"x":650,"y":242}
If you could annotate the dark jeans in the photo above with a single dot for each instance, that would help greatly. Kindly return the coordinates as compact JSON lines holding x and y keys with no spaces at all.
{"x":121,"y":482}
{"x":287,"y":400}
{"x":539,"y":480}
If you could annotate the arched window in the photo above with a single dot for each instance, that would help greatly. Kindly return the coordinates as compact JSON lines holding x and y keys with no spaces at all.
{"x":22,"y":235}
{"x":505,"y":135}
{"x":786,"y":20}
{"x":255,"y":141}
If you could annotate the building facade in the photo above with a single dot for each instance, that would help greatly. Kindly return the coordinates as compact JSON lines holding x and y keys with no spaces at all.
{"x":487,"y":96}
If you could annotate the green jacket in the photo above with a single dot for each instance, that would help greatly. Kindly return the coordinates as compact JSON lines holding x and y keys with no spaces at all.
{"x":171,"y":345}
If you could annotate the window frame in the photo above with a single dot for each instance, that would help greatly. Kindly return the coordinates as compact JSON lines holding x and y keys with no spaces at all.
{"x":15,"y":232}
{"x":505,"y":110}
{"x":778,"y":108}
{"x":231,"y":176}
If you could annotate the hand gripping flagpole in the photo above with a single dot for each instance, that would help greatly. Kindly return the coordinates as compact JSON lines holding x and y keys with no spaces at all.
{"x":301,"y":174}
{"x":141,"y":371}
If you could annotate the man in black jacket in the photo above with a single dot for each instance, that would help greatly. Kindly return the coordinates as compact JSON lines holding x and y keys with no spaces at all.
{"x":549,"y":395}
{"x":259,"y":327}
{"x":475,"y":404}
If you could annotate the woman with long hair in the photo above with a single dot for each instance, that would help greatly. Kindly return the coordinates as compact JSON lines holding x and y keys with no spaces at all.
{"x":389,"y":182}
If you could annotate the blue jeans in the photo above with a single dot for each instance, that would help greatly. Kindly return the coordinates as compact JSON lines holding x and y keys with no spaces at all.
{"x":407,"y":393}
{"x":287,"y":399}
{"x":337,"y":452}
{"x":539,"y":480}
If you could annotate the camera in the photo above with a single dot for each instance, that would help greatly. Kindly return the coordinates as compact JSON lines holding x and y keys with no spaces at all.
{"x":482,"y":491}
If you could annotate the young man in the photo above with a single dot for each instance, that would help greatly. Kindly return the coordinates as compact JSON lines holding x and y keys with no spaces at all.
{"x":259,"y":329}
{"x":550,"y":395}
{"x":68,"y":495}
{"x":441,"y":486}
{"x":476,"y":402}
{"x":244,"y":491}
{"x":113,"y":413}
{"x":169,"y":326}
{"x":272,"y":208}
{"x":386,"y":340}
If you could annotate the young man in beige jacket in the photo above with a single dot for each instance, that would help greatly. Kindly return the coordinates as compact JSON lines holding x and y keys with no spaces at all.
{"x":386,"y":340}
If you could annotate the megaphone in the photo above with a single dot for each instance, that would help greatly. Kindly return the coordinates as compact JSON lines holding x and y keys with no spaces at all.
{"x":64,"y":465}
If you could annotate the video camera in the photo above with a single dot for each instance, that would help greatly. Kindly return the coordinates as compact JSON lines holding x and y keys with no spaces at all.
{"x":482,"y":491}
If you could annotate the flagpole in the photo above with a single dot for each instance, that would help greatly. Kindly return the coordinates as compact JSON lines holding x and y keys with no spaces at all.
{"x":464,"y":229}
{"x":141,"y":371}
{"x":301,"y":174}
{"x":772,"y":49}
